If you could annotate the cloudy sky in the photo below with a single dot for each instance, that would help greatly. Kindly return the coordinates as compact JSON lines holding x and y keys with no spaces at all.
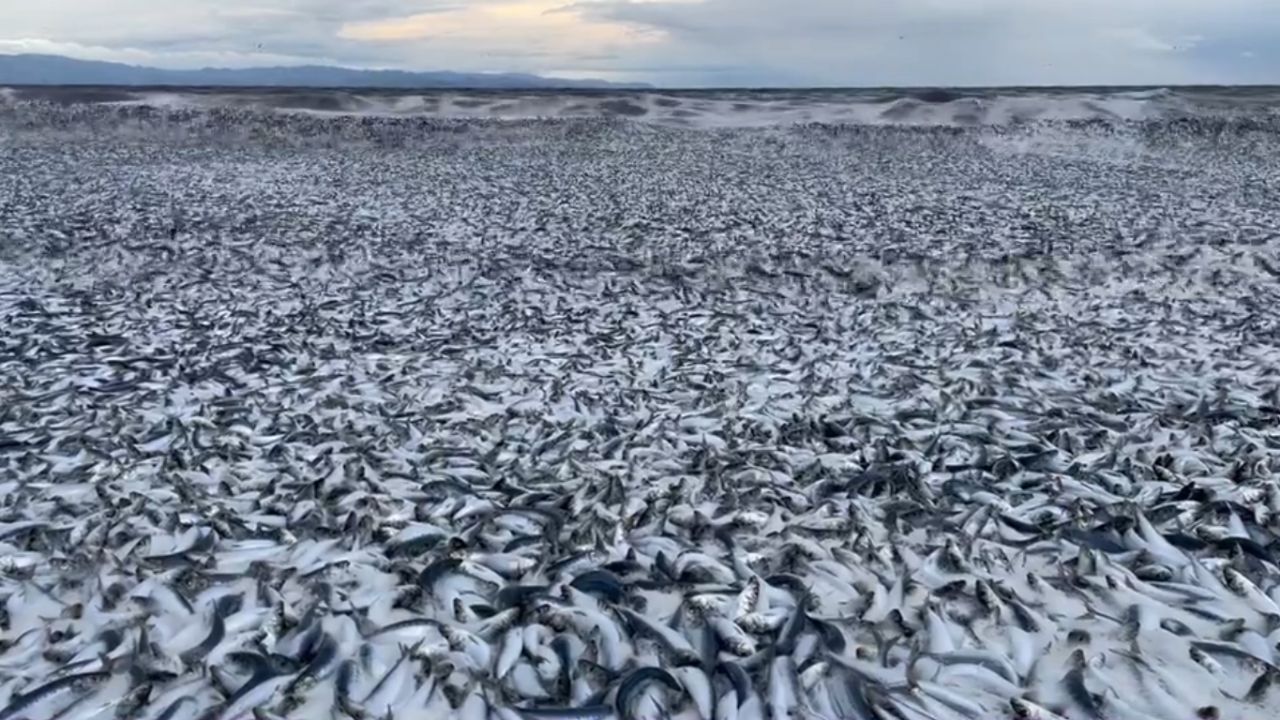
{"x":685,"y":42}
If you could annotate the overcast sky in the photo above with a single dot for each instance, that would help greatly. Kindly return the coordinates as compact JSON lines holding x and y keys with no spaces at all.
{"x":685,"y":42}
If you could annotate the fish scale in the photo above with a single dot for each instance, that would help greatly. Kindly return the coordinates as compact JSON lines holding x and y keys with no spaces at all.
{"x":572,"y":419}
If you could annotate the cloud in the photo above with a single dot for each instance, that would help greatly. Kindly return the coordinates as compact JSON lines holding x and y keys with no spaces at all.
{"x":514,"y":28}
{"x":692,"y":42}
{"x":969,"y":42}
{"x":152,"y":57}
{"x":283,"y":27}
{"x":1144,"y":40}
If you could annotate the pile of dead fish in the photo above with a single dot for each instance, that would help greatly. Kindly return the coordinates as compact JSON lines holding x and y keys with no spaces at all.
{"x":615,"y":422}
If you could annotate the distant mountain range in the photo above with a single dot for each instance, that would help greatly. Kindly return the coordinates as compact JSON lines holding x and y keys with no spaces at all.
{"x":31,"y":69}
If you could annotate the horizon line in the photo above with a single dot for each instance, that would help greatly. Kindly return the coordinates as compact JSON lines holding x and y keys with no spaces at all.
{"x":623,"y":86}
